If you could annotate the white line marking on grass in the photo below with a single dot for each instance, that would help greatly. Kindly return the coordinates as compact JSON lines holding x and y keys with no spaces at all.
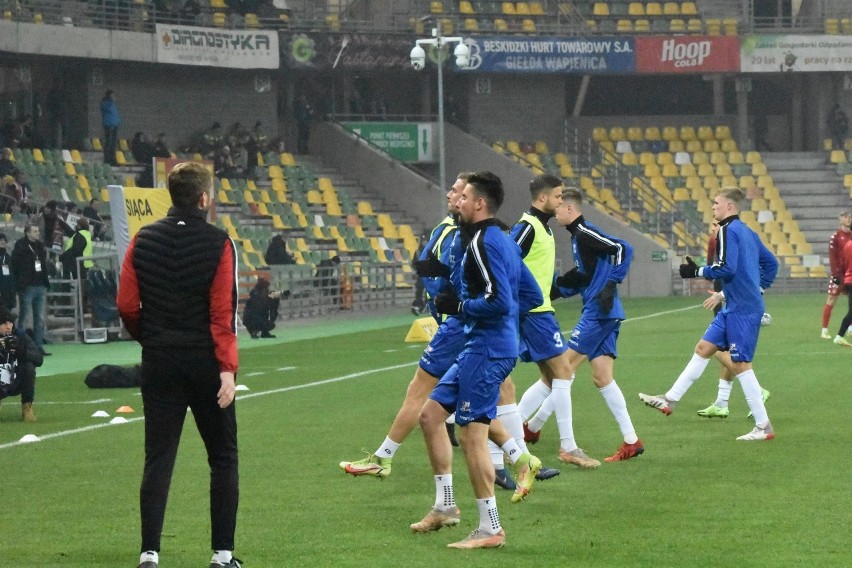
{"x":390,"y":351}
{"x":290,"y":388}
{"x":256,"y":373}
{"x":98,"y":401}
{"x":241,"y":397}
{"x":658,"y":314}
{"x":286,"y":368}
{"x":69,"y":432}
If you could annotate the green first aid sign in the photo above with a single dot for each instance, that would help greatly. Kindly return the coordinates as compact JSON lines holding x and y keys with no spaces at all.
{"x":404,"y":141}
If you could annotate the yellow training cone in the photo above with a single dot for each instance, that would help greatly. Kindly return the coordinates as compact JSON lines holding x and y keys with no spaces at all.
{"x":422,"y":330}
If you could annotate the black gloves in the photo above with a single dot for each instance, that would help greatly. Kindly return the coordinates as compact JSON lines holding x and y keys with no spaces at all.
{"x":607,"y":297}
{"x":572,"y":279}
{"x":555,"y":294}
{"x":447,"y":303}
{"x":689,"y":269}
{"x":431,"y":268}
{"x":835,"y":280}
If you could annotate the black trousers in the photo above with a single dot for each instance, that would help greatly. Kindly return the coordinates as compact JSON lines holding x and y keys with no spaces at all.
{"x":23,"y":384}
{"x":172,"y":380}
{"x":847,"y":319}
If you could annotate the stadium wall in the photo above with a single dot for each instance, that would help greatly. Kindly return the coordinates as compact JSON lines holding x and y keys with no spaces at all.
{"x":179,"y":100}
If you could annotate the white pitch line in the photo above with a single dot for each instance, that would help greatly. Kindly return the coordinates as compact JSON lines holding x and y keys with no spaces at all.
{"x":98,"y":401}
{"x":254,"y":374}
{"x":241,"y":397}
{"x":286,"y":368}
{"x":283,"y":389}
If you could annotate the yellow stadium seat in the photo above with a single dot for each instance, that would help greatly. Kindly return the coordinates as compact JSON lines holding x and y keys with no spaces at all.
{"x":275,"y":172}
{"x":687,"y":133}
{"x":471,"y":25}
{"x":599,"y":9}
{"x":500,"y":25}
{"x":252,"y":21}
{"x":436,"y":7}
{"x":642,"y":25}
{"x":670,"y":133}
{"x":119,"y":158}
{"x":522,"y":9}
{"x":634,"y":133}
{"x":671,"y":9}
{"x":616,"y":133}
{"x":599,"y":134}
{"x":836,"y":156}
{"x":676,"y":25}
{"x":287,"y":159}
{"x":651,"y":133}
{"x":653,"y":9}
{"x":537,"y":9}
{"x":636,"y":9}
{"x":528,"y":25}
{"x":465,"y":7}
{"x":694,"y":26}
{"x":688,"y":9}
{"x":508,"y":8}
{"x":730,"y":25}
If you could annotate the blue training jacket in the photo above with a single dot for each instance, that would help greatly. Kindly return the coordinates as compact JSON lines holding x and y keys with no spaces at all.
{"x":743,"y":264}
{"x":601,"y":258}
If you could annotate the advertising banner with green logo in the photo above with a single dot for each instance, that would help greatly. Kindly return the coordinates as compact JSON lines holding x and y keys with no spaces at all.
{"x":404,"y":141}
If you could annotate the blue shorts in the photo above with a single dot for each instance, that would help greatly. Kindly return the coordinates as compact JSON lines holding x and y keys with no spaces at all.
{"x":594,"y":338}
{"x":735,"y":332}
{"x":472,"y":385}
{"x":541,"y":338}
{"x":444,"y":348}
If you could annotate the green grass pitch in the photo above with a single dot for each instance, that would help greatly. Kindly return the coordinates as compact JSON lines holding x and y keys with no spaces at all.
{"x":320,"y":394}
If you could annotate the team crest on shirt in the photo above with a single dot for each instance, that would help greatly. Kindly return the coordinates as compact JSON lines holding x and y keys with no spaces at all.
{"x":428,"y":349}
{"x":465,"y":406}
{"x":575,"y":334}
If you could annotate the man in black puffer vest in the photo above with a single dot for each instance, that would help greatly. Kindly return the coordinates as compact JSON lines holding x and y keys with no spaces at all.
{"x":178,"y":298}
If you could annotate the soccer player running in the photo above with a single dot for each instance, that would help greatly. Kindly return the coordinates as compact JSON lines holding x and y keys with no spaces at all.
{"x":846,"y":270}
{"x":489,"y":306}
{"x":442,"y":350}
{"x":835,"y":263}
{"x":746,"y":268}
{"x":602,"y":262}
{"x":541,"y":337}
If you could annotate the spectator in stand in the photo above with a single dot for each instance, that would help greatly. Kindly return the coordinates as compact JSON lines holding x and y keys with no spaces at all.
{"x":223,"y":164}
{"x":257,"y":142}
{"x":143,"y":153}
{"x":212,"y":141}
{"x":326,"y":278}
{"x":11,"y":195}
{"x":54,"y":226}
{"x":7,"y":283}
{"x":838,"y":125}
{"x":24,"y":204}
{"x":303,"y":112}
{"x":58,"y":111}
{"x":111,"y":121}
{"x":276,"y":252}
{"x":237,"y":139}
{"x":7,"y":164}
{"x":91,"y":213}
{"x":161,"y":150}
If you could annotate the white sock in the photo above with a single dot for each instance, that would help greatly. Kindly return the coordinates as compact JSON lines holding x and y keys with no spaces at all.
{"x":496,"y":455}
{"x":536,"y":423}
{"x":451,"y":419}
{"x":223,"y":556}
{"x":560,"y":397}
{"x":532,"y":399}
{"x":754,"y":396}
{"x":690,"y":374}
{"x":618,"y":406}
{"x":445,"y":499}
{"x":149,"y":556}
{"x":489,"y":520}
{"x":824,"y":330}
{"x":724,"y":393}
{"x":387,"y":449}
{"x":513,"y":450}
{"x":508,"y":415}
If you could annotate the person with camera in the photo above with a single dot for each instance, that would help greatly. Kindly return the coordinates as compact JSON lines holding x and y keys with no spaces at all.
{"x":261,"y":309}
{"x":19,"y":357}
{"x":29,"y":270}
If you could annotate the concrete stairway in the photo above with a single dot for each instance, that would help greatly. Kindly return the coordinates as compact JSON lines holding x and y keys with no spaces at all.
{"x":812,"y":191}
